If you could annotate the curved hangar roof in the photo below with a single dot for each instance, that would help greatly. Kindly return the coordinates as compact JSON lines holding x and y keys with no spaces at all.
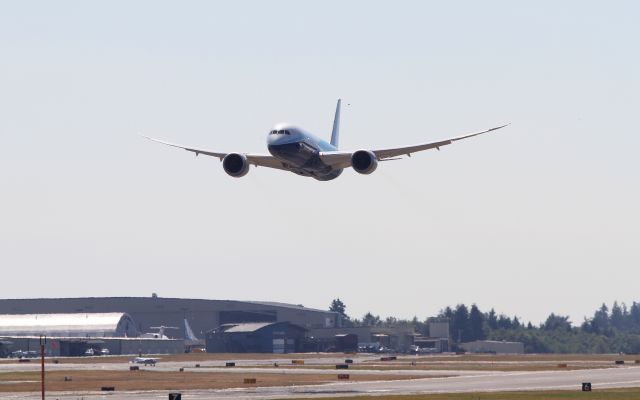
{"x":69,"y":325}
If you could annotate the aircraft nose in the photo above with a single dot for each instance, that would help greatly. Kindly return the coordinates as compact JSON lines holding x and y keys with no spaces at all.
{"x":272,"y":139}
{"x":280,"y":137}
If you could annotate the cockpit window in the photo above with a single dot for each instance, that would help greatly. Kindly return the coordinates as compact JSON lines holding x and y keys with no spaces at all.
{"x":280,"y":132}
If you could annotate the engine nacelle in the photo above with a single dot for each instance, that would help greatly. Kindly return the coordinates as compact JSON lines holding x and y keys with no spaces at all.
{"x":235,"y":165}
{"x":364,"y":162}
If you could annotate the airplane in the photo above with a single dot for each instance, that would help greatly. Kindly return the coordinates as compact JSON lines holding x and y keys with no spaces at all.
{"x":158,"y":335}
{"x":293,"y":149}
{"x":190,"y":338}
{"x":145,"y":360}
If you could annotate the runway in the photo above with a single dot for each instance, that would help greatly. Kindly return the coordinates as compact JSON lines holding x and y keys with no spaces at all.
{"x":481,"y":382}
{"x":209,"y":367}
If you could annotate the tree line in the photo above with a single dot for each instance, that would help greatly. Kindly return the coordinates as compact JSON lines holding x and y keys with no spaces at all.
{"x":615,"y":330}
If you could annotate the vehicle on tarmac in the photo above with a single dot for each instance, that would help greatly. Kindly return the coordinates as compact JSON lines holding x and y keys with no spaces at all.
{"x":24,"y":354}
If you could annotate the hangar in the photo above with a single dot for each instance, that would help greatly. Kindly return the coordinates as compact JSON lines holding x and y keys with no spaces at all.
{"x":202,"y":315}
{"x":78,"y":346}
{"x":75,"y":334}
{"x":256,"y":337}
{"x":70,"y":325}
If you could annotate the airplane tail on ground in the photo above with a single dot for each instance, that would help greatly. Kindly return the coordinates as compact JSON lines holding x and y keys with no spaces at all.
{"x":336,"y":126}
{"x":188,"y":333}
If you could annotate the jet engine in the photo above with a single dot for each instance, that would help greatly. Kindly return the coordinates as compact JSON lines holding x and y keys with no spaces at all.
{"x":364,"y":162}
{"x":235,"y":165}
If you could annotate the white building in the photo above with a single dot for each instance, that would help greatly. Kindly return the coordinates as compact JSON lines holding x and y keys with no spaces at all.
{"x":68,"y":325}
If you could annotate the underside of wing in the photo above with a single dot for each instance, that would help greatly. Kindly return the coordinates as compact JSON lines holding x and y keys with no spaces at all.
{"x":336,"y":159}
{"x":343,"y":159}
{"x":381,"y":154}
{"x":262,"y":160}
{"x":191,"y":149}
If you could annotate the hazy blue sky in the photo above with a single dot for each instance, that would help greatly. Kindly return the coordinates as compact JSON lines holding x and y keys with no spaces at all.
{"x":540,"y":217}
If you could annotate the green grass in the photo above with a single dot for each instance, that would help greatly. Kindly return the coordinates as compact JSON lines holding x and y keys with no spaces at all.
{"x":610,"y":394}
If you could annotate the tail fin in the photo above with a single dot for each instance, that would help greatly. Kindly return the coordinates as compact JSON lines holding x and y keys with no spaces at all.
{"x":188,"y":333}
{"x":335,"y":134}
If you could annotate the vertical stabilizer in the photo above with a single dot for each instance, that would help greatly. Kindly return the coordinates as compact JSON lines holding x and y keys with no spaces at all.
{"x":336,"y":126}
{"x":188,"y":333}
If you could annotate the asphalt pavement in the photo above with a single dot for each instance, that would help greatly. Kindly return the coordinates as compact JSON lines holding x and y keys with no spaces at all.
{"x":470,"y":381}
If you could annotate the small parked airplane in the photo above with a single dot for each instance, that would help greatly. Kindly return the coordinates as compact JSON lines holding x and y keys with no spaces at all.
{"x":145,"y":360}
{"x":293,"y":149}
{"x":158,"y":335}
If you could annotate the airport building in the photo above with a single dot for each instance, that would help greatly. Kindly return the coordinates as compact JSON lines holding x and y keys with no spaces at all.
{"x":438,"y":339}
{"x":29,"y":346}
{"x":227,"y":325}
{"x":367,"y":338}
{"x":256,"y":337}
{"x":202,"y":315}
{"x":78,"y":334}
{"x":71,"y":325}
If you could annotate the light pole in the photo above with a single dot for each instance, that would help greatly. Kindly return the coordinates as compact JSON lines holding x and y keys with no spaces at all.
{"x":43,"y":341}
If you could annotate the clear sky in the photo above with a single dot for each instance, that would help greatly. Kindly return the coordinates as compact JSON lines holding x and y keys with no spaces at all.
{"x":540,"y":217}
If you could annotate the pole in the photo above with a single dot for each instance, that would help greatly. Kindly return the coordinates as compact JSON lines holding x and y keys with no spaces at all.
{"x":43,"y":341}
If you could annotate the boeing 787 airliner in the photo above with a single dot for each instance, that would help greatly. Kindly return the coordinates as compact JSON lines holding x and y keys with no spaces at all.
{"x":296,"y":150}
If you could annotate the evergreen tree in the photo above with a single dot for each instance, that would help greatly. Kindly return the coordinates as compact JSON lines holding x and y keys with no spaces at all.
{"x":586,"y":326}
{"x":371,"y":320}
{"x":338,"y":306}
{"x":391,"y":321}
{"x":634,"y":316}
{"x":600,"y":322}
{"x":617,"y":316}
{"x":492,"y":319}
{"x":626,"y":318}
{"x":460,"y":324}
{"x":516,"y":323}
{"x":446,"y":313}
{"x":504,"y":322}
{"x":556,"y":322}
{"x":607,"y":331}
{"x":476,"y":323}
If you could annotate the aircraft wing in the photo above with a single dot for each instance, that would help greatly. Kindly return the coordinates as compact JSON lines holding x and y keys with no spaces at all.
{"x":143,"y":360}
{"x":342,"y":159}
{"x":262,"y":160}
